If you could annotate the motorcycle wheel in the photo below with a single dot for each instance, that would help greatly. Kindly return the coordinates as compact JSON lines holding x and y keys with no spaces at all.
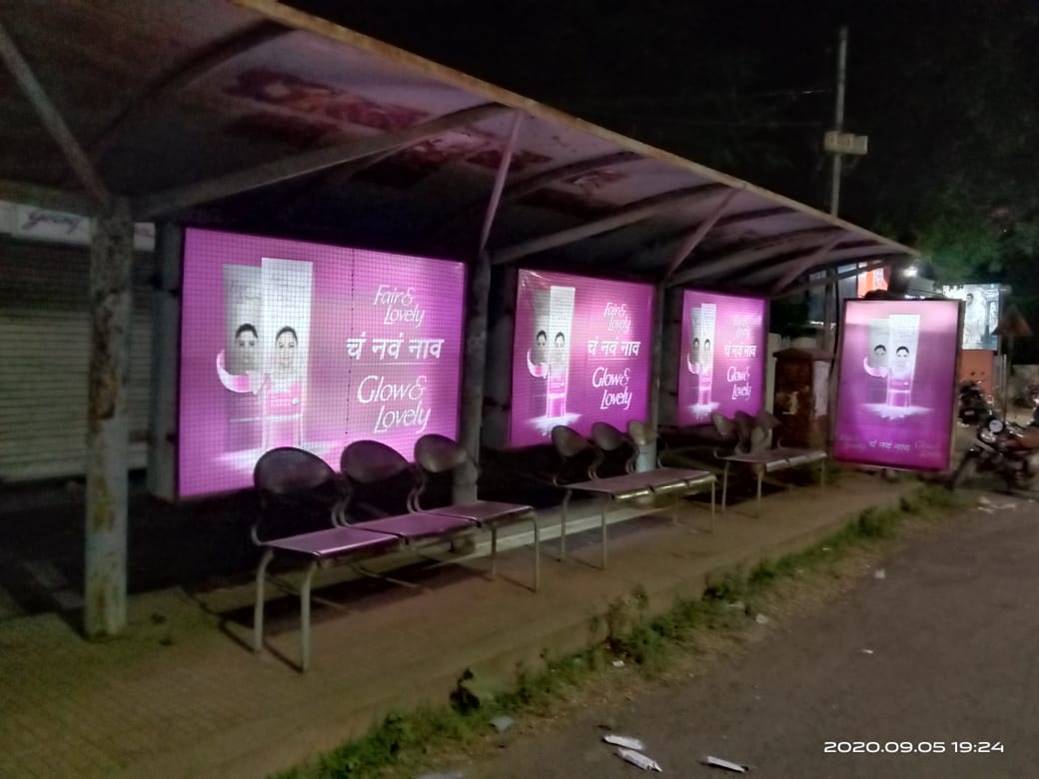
{"x":964,"y":472}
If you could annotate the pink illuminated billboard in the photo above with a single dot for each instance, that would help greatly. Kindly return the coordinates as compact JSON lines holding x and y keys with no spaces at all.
{"x":581,"y":354}
{"x":722,"y":356}
{"x":286,"y":343}
{"x":897,"y":383}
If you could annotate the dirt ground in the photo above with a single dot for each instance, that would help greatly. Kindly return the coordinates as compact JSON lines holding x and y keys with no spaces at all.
{"x":942,"y":648}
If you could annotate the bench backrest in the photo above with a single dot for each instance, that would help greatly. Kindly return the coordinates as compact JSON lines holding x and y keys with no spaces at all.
{"x":573,"y":449}
{"x":298,"y":492}
{"x":381,"y":479}
{"x":434,"y":455}
{"x":609,"y":441}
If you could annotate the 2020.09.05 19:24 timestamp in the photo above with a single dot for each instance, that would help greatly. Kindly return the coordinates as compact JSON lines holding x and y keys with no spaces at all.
{"x":912,"y":747}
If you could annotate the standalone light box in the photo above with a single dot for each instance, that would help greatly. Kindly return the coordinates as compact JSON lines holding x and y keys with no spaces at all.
{"x":286,"y":343}
{"x":897,"y":386}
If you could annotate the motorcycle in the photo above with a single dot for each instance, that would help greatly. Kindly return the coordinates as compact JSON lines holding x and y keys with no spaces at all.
{"x":1008,"y":450}
{"x":975,"y":406}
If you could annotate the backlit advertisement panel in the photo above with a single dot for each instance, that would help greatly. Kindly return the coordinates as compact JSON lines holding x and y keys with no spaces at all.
{"x":897,"y":383}
{"x":581,"y":354}
{"x":722,"y":356}
{"x":287,"y":343}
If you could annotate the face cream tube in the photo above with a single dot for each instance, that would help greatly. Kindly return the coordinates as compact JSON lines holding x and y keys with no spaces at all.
{"x":242,"y":352}
{"x":708,"y":313}
{"x":561,"y":315}
{"x":286,"y":315}
{"x":905,"y":336}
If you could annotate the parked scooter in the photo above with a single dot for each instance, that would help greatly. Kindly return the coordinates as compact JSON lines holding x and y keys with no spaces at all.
{"x":975,"y":405}
{"x":1008,"y":450}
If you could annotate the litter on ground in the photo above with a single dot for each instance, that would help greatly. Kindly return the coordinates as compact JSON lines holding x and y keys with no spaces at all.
{"x":624,"y":741}
{"x":639,"y":760}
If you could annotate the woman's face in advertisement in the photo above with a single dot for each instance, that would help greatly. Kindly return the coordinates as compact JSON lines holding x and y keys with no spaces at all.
{"x":245,"y":347}
{"x":285,"y":346}
{"x":902,"y":358}
{"x":879,"y":356}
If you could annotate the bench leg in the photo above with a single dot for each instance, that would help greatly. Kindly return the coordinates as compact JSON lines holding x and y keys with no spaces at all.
{"x":713,"y":485}
{"x":761,"y":476}
{"x":822,"y":474}
{"x":562,"y":526}
{"x":304,"y":613}
{"x":261,"y":580}
{"x":602,"y":516}
{"x":494,"y":552}
{"x":537,"y":553}
{"x":725,"y":486}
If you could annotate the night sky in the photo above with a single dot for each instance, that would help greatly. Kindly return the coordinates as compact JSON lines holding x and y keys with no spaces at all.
{"x":946,"y":90}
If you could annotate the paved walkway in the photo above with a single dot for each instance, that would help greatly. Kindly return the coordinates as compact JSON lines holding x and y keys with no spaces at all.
{"x":952,"y":633}
{"x":180,"y":694}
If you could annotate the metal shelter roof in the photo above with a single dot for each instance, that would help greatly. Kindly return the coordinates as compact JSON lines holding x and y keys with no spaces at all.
{"x":256,"y":115}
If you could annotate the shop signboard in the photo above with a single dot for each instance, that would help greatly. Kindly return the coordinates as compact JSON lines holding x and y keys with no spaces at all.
{"x":287,"y":343}
{"x":980,"y":313}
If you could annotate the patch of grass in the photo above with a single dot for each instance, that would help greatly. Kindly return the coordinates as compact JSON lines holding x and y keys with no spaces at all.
{"x":406,"y":741}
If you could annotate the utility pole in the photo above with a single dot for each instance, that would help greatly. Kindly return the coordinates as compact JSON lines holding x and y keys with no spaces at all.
{"x":830,"y":297}
{"x":838,"y":117}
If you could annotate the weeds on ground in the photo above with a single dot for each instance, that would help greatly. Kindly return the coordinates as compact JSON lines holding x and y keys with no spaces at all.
{"x":626,"y":632}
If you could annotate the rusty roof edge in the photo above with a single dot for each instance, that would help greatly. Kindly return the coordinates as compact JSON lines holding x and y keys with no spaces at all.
{"x":300,"y":20}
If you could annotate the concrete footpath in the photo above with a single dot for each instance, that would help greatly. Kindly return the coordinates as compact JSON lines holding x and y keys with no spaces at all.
{"x":181,"y":694}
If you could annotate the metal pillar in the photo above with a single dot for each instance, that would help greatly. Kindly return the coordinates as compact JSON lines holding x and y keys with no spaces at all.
{"x":111,"y":259}
{"x":162,"y":409}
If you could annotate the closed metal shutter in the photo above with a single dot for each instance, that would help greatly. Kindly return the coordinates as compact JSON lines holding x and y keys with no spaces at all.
{"x":44,"y":358}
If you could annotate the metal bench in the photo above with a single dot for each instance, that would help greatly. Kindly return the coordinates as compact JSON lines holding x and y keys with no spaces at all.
{"x":436,"y":455}
{"x":630,"y":485}
{"x":294,"y":474}
{"x":766,"y":461}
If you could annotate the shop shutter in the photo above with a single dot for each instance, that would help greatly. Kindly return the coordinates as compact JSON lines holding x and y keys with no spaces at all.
{"x":45,"y":337}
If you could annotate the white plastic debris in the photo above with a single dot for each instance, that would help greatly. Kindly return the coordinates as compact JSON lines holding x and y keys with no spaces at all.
{"x":728,"y":765}
{"x":761,"y":619}
{"x":986,"y":509}
{"x":880,"y":573}
{"x":618,"y":663}
{"x":503,"y":723}
{"x":639,"y":760}
{"x":736,"y":604}
{"x":867,"y":651}
{"x":624,"y":741}
{"x":983,"y":501}
{"x":826,"y":549}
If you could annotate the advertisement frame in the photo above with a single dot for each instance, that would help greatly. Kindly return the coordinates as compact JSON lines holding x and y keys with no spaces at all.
{"x":839,"y":359}
{"x":766,"y":321}
{"x":175,"y":438}
{"x":508,"y":444}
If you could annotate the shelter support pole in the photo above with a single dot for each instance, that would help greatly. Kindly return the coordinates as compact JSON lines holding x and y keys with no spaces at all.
{"x":648,"y":457}
{"x":162,"y":409}
{"x":471,"y":421}
{"x":472,"y":386}
{"x":108,"y":441}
